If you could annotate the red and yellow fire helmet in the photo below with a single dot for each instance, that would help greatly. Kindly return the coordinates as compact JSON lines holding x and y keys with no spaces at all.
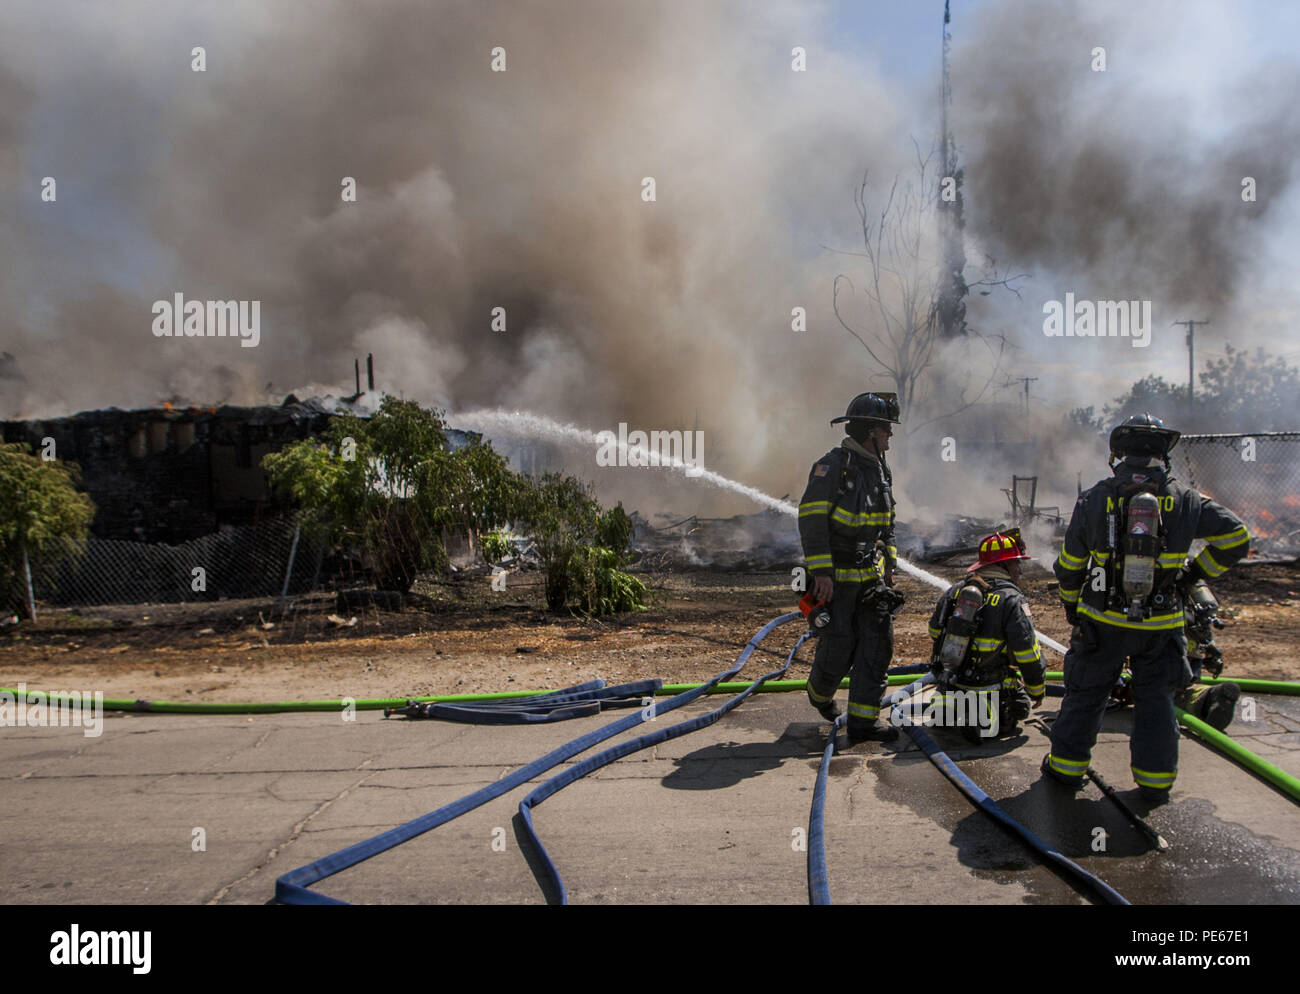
{"x":1000,"y":547}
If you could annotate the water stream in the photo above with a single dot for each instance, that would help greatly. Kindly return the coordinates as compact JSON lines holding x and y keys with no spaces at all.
{"x":523,"y":424}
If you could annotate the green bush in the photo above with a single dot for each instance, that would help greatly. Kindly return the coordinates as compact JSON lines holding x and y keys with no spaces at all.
{"x":495,"y":547}
{"x":601,"y":587}
{"x":614,"y":532}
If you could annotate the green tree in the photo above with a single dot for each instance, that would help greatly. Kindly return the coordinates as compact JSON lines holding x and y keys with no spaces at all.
{"x":1253,"y":393}
{"x":1239,"y":392}
{"x":561,"y":516}
{"x":42,"y":515}
{"x":390,"y":484}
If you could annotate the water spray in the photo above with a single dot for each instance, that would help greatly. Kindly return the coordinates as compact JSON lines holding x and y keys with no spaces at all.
{"x":518,"y":423}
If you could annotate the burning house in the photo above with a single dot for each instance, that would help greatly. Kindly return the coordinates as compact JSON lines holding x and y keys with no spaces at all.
{"x":171,"y":474}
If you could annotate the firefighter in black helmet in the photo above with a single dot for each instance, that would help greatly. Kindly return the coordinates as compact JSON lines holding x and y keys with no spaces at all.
{"x":846,"y":525}
{"x":1124,"y":575}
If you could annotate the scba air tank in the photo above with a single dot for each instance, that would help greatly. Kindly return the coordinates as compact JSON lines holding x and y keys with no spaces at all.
{"x":959,"y":629}
{"x":1141,"y":546}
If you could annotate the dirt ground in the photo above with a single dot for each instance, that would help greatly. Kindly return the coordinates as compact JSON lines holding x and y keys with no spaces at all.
{"x":465,"y":638}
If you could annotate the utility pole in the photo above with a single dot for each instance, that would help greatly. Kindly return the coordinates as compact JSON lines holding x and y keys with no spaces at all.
{"x":951,"y":303}
{"x":1027,"y":380}
{"x":1191,"y":331}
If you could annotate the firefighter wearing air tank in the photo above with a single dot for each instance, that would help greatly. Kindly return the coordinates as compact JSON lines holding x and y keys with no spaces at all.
{"x":846,"y":525}
{"x":984,"y":640}
{"x":1124,"y":580}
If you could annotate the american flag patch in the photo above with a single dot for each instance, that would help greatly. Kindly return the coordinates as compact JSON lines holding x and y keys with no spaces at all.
{"x":821,"y":469}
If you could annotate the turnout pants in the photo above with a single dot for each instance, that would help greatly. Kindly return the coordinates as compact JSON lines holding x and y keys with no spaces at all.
{"x":1159,"y":664}
{"x":858,"y":641}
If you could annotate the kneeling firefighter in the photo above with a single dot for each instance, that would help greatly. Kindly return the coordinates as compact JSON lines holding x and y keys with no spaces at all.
{"x":846,"y":526}
{"x":1124,"y":581}
{"x":985,"y":644}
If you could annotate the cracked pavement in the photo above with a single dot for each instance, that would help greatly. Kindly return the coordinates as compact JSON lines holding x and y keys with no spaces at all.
{"x":716,"y":816}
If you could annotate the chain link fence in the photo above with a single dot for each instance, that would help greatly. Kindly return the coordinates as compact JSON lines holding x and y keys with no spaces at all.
{"x":1255,"y":476}
{"x":252,"y":586}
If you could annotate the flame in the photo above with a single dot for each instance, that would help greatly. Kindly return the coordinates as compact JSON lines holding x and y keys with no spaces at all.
{"x":1266,"y":515}
{"x":1292,"y":500}
{"x":167,"y":405}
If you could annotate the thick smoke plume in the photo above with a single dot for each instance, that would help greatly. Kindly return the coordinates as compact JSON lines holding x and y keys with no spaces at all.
{"x":476,"y":190}
{"x":523,"y":190}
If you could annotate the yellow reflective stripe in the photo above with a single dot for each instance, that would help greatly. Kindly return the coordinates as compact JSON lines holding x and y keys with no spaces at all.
{"x":935,"y":632}
{"x":864,"y":710}
{"x":1176,"y":558}
{"x":1069,"y":596}
{"x":1028,"y":655}
{"x":1155,"y":623}
{"x":818,"y":698}
{"x":988,"y":645}
{"x":855,"y":575}
{"x":817,"y":562}
{"x":844,"y":517}
{"x":813,"y":508}
{"x":1238,"y":536}
{"x":1067,"y":767}
{"x":1035,"y":689}
{"x":893,"y":552}
{"x":1161,"y":781}
{"x":1207,"y":563}
{"x":1069,"y":561}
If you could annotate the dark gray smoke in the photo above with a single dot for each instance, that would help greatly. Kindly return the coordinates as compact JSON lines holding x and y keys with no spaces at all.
{"x":1110,"y":177}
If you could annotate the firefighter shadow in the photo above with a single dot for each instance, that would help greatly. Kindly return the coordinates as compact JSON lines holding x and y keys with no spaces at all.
{"x":1077,"y":826}
{"x":727,"y":764}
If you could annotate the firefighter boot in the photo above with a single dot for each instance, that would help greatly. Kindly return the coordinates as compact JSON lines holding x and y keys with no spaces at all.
{"x":1070,"y":782}
{"x":1214,"y":705}
{"x":828,"y":710}
{"x":873,"y":733}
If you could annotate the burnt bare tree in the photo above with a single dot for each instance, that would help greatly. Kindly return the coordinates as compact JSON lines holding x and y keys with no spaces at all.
{"x":908,"y":290}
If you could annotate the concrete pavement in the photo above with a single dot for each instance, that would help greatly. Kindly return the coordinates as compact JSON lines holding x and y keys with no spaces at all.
{"x":717,"y":816}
